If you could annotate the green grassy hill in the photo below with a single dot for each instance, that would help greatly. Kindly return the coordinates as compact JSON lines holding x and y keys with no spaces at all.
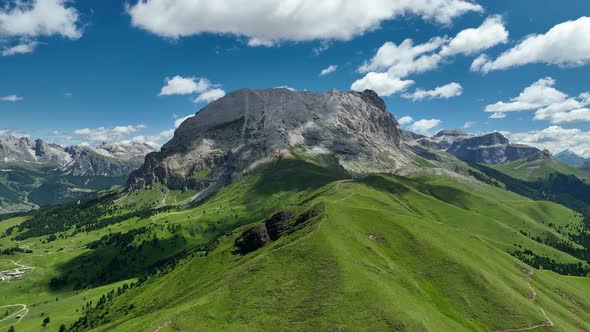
{"x":298,"y":245}
{"x":524,"y":169}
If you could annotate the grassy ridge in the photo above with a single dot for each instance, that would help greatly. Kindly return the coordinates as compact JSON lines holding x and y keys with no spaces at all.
{"x":384,"y":253}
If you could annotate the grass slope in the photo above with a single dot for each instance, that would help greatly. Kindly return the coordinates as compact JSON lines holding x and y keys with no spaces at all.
{"x":378,"y":253}
{"x":539,"y":169}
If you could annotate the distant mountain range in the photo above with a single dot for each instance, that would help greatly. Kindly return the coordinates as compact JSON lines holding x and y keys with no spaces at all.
{"x":491,"y":148}
{"x":570,"y":158}
{"x":35,"y":173}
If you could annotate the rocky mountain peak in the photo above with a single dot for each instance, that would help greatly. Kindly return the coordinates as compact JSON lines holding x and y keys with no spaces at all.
{"x":247,"y":126}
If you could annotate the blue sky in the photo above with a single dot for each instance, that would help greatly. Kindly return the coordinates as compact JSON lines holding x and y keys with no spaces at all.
{"x":86,"y":71}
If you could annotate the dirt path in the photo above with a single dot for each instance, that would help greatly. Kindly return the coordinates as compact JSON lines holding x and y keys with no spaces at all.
{"x":17,"y":263}
{"x":23,"y":311}
{"x":533,"y":297}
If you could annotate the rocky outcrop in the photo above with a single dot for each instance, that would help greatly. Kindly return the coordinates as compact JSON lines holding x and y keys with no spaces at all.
{"x":492,"y":148}
{"x":247,"y":126}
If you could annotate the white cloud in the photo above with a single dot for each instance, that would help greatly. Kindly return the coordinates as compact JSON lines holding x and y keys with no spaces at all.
{"x":22,"y":48}
{"x":445,"y":91}
{"x":556,"y":139}
{"x":330,"y":69}
{"x":498,"y":115}
{"x":11,"y":132}
{"x":124,"y":130}
{"x":11,"y":98}
{"x":549,"y":104}
{"x":179,"y":85}
{"x":405,"y":120}
{"x":103,"y":134}
{"x":154,"y":140}
{"x":405,"y":58}
{"x":209,"y":96}
{"x":469,"y":124}
{"x":424,"y":126}
{"x":566,"y":44}
{"x":539,"y":94}
{"x":382,"y":83}
{"x":469,"y":41}
{"x":39,"y":18}
{"x":179,"y":121}
{"x":267,"y":22}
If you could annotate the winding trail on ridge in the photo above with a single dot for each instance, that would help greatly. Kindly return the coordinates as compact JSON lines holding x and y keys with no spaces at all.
{"x":533,"y":297}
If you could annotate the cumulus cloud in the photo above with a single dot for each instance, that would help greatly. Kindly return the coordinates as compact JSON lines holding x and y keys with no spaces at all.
{"x":209,"y":96}
{"x":179,"y":85}
{"x":154,"y":140}
{"x":407,"y":58}
{"x":22,"y":21}
{"x":102,"y":134}
{"x":555,"y":139}
{"x":566,"y":44}
{"x":22,"y":48}
{"x":382,"y":83}
{"x":425,"y":126}
{"x":445,"y":91}
{"x":469,"y":41}
{"x":330,"y":69}
{"x":405,"y":120}
{"x":549,"y":104}
{"x":267,"y":22}
{"x":11,"y":98}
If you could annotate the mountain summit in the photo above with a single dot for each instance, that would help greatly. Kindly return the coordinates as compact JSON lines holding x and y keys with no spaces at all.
{"x":234,"y":133}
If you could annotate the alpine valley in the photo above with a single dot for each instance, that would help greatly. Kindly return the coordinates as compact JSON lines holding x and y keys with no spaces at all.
{"x":37,"y":173}
{"x":281,"y":210}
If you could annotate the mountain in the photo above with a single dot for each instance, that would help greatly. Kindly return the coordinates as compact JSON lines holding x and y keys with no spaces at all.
{"x":315,"y":214}
{"x":492,"y":148}
{"x":586,"y":165}
{"x":570,"y":158}
{"x":36,"y":173}
{"x":443,"y":139}
{"x":351,"y":129}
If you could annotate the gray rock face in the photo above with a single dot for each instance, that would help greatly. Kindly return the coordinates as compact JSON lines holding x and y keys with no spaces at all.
{"x":247,"y":126}
{"x":492,"y":148}
{"x":443,"y":139}
{"x":16,"y":149}
{"x":86,"y":161}
{"x":586,"y":165}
